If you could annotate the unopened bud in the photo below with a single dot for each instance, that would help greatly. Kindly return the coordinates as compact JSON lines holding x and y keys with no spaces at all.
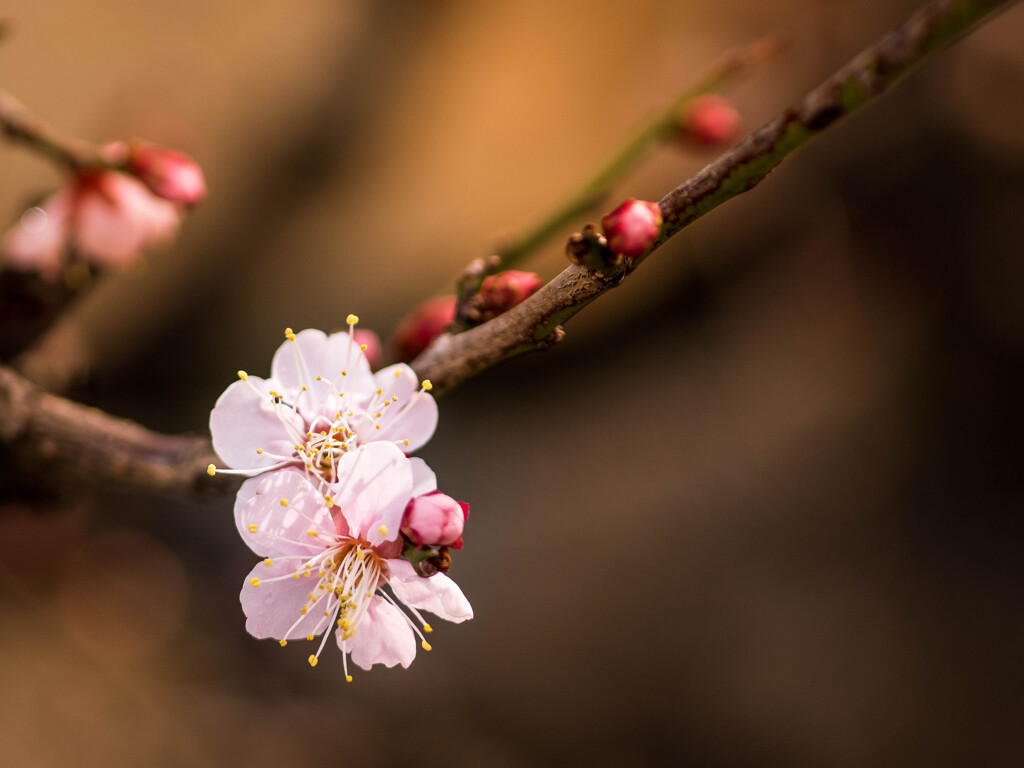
{"x":711,"y":119}
{"x":424,"y":324}
{"x":168,"y":173}
{"x":500,"y":292}
{"x":434,"y":520}
{"x":370,"y":340}
{"x":632,"y":227}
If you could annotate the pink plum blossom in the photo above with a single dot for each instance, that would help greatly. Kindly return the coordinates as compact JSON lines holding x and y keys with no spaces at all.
{"x":425,"y":323}
{"x":327,"y":560}
{"x":321,"y":402}
{"x":108,"y":218}
{"x":711,"y":119}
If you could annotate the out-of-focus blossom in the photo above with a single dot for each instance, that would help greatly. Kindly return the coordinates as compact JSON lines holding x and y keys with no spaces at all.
{"x":435,"y":519}
{"x":108,"y":218}
{"x":632,"y":227}
{"x":711,"y":119}
{"x":500,"y":292}
{"x":369,"y":342}
{"x":328,"y":557}
{"x":320,"y":403}
{"x":168,"y":173}
{"x":421,"y":326}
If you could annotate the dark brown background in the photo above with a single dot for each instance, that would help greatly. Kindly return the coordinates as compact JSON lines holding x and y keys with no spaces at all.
{"x":762,"y":507}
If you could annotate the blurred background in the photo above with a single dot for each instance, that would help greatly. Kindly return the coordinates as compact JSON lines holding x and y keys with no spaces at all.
{"x":762,"y":506}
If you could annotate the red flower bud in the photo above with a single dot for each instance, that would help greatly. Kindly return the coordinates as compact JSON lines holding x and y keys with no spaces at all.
{"x":632,"y":227}
{"x":500,"y":292}
{"x":435,"y":520}
{"x":711,"y":119}
{"x":371,"y":342}
{"x":171,"y":174}
{"x":421,"y":326}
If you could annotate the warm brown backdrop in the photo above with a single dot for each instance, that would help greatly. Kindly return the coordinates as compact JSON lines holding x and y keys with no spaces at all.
{"x":764,"y":505}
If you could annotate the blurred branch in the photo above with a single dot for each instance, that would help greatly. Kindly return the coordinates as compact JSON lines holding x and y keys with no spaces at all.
{"x":661,"y":127}
{"x":63,"y":438}
{"x":21,"y":125}
{"x":536,"y":323}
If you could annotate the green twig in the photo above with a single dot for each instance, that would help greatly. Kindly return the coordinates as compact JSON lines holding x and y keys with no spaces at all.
{"x":661,"y":127}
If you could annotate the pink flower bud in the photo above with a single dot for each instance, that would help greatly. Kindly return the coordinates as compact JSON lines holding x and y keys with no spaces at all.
{"x":171,"y":174}
{"x":500,"y":292}
{"x":435,"y":520}
{"x":632,"y":227}
{"x":371,"y":342}
{"x":711,"y":119}
{"x":421,"y":326}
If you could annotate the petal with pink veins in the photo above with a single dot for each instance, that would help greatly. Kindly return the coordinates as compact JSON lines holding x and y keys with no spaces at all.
{"x":375,"y":486}
{"x":245,"y":420}
{"x":273,"y":609}
{"x":283,"y":515}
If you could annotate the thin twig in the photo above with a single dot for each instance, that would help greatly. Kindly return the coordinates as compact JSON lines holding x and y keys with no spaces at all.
{"x":21,"y":125}
{"x":536,"y":323}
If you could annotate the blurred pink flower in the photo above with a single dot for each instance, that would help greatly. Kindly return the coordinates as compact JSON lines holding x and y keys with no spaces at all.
{"x":328,"y":557}
{"x":369,"y":342}
{"x":108,"y":218}
{"x":320,"y":403}
{"x":421,"y":326}
{"x":711,"y":119}
{"x":168,"y":173}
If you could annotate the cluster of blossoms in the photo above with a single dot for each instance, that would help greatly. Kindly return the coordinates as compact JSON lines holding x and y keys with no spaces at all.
{"x":353,"y":533}
{"x":108,"y":214}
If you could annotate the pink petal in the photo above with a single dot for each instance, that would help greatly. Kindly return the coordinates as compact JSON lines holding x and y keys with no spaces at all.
{"x":437,"y":594}
{"x":284,"y":529}
{"x":415,"y":422}
{"x":36,"y":242}
{"x":244,"y":420}
{"x":423,"y":478}
{"x":382,"y":637}
{"x":375,"y":487}
{"x":117,"y":217}
{"x":273,"y":607}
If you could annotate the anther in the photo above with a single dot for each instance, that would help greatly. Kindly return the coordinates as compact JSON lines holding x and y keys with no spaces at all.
{"x":351,"y":319}
{"x":253,"y":527}
{"x":243,"y":375}
{"x":255,"y":581}
{"x":383,"y":530}
{"x":312,"y":661}
{"x":282,"y":643}
{"x":259,"y":451}
{"x":211,"y":470}
{"x":268,"y":561}
{"x":427,"y":628}
{"x":284,"y":502}
{"x":310,"y":637}
{"x":362,"y":347}
{"x":328,"y":501}
{"x":348,"y":678}
{"x":289,"y":334}
{"x":425,"y":645}
{"x":427,"y":385}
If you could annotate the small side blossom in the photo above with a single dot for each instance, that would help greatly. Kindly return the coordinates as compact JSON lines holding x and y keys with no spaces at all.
{"x":632,"y":227}
{"x":167,"y":172}
{"x":711,"y":119}
{"x":106,"y":217}
{"x":369,"y":342}
{"x":327,"y":560}
{"x":421,"y":326}
{"x":436,"y":520}
{"x":320,"y":402}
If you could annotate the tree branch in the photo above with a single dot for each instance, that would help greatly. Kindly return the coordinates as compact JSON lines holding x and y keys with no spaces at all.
{"x":51,"y":432}
{"x":536,"y":323}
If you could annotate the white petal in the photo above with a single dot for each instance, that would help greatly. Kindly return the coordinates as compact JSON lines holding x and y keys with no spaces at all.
{"x":273,"y":607}
{"x":423,"y":478}
{"x":437,"y":594}
{"x":382,"y":637}
{"x":244,"y":420}
{"x":273,"y":528}
{"x":374,"y":489}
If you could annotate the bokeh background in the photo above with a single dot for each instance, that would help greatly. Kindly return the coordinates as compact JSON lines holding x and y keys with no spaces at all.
{"x":762,"y":507}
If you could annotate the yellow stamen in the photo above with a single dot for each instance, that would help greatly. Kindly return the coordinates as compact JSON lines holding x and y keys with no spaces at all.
{"x":211,"y":470}
{"x":243,"y":375}
{"x":351,"y":319}
{"x":425,"y":645}
{"x":253,"y":528}
{"x":282,"y":643}
{"x":255,"y":581}
{"x":312,"y":661}
{"x":427,"y":385}
{"x":289,"y":334}
{"x":384,"y":530}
